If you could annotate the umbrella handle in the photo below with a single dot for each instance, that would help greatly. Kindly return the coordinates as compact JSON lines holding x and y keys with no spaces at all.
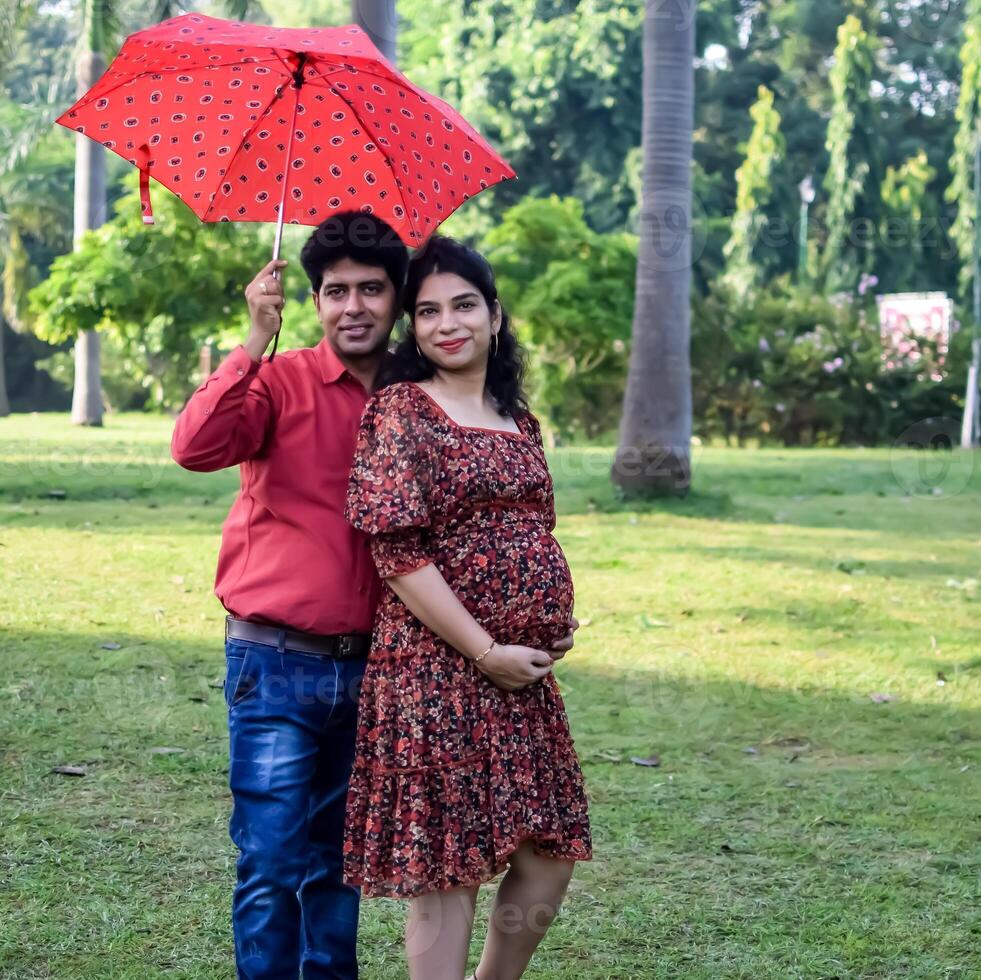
{"x":278,"y":241}
{"x":276,"y":247}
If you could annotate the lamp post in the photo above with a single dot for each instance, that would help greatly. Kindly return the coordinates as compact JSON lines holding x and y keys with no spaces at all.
{"x":806,"y":188}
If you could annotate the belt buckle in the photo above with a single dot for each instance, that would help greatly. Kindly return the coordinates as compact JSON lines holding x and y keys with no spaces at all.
{"x":345,"y":645}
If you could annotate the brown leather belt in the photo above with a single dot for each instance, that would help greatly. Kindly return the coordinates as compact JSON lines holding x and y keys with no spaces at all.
{"x":342,"y":645}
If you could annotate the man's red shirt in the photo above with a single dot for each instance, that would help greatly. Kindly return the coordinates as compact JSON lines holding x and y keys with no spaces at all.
{"x":287,"y":555}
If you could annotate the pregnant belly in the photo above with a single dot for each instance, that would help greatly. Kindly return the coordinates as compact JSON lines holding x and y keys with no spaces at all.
{"x":514,"y":580}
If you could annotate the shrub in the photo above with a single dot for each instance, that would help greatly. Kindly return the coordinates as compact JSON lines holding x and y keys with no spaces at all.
{"x":796,"y":367}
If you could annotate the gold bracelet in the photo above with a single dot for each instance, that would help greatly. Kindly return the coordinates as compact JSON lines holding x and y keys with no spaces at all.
{"x":477,"y":660}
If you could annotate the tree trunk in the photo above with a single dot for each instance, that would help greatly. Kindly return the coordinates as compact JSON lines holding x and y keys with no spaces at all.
{"x":4,"y":401}
{"x":653,"y":457}
{"x":379,"y":20}
{"x":90,"y":213}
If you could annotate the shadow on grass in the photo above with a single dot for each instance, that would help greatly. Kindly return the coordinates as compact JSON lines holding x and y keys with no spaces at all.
{"x":836,"y":488}
{"x":812,"y":805}
{"x":58,"y":682}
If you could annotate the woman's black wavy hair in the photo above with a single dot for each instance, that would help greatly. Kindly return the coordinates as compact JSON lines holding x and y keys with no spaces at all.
{"x":505,"y":368}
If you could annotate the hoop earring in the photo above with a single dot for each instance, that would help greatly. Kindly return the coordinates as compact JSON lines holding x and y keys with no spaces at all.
{"x":419,"y":352}
{"x":494,"y":350}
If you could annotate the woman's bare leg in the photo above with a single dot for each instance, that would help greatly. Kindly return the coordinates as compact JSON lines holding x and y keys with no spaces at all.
{"x":437,"y":934}
{"x":527,"y":901}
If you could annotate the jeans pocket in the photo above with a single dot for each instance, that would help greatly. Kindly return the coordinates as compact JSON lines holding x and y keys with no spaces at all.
{"x":240,"y":673}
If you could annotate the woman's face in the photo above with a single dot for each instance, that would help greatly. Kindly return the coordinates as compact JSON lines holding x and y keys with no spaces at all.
{"x":453,"y":324}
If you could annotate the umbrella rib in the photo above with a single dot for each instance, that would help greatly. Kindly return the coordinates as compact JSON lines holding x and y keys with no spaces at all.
{"x":398,"y":186}
{"x":246,"y":136}
{"x":88,"y":98}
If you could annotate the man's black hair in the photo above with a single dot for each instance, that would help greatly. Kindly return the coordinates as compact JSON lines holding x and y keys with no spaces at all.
{"x":361,"y":237}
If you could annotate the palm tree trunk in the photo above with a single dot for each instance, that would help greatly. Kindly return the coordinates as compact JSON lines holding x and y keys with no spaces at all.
{"x":4,"y":401}
{"x":90,"y":212}
{"x":379,"y":20}
{"x":653,"y":457}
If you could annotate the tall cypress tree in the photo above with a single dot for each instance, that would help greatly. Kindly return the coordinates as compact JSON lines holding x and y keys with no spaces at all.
{"x":853,"y":178}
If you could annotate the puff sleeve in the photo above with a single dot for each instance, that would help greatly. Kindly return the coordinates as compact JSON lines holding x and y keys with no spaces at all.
{"x":393,"y":480}
{"x":533,"y":430}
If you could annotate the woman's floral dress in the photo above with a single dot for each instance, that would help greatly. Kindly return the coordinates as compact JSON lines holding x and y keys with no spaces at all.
{"x":451,"y":773}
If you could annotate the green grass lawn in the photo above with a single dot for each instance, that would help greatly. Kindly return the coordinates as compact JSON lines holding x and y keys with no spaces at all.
{"x":796,"y":827}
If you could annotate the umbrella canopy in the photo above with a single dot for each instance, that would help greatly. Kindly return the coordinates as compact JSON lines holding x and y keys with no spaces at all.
{"x":245,"y":122}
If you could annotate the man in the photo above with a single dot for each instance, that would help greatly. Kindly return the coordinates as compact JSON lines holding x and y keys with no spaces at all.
{"x":301,"y":590}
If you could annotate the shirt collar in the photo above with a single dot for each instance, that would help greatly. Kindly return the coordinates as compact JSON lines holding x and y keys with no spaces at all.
{"x":331,"y":369}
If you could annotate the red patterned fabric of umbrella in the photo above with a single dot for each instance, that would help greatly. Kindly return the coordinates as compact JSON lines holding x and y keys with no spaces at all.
{"x":245,"y":122}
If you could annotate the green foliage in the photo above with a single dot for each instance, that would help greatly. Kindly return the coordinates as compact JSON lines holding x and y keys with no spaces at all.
{"x":848,"y":169}
{"x":570,"y":291}
{"x":801,"y":368}
{"x":754,"y":186}
{"x":35,"y":224}
{"x":122,"y":376}
{"x":161,"y":291}
{"x":968,"y":114}
{"x":907,"y":207}
{"x":553,"y":84}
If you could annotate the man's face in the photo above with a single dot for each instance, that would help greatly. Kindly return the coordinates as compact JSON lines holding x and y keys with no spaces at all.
{"x":357,"y":308}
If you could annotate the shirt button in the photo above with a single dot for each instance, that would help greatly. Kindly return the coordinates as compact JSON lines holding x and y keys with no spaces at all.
{"x":240,"y":372}
{"x":207,"y":411}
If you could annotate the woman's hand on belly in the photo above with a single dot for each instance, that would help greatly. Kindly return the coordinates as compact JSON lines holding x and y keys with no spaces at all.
{"x":512,"y":667}
{"x":561,"y":647}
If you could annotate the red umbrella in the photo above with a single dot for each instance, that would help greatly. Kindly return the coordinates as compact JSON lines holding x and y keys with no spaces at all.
{"x":245,"y":122}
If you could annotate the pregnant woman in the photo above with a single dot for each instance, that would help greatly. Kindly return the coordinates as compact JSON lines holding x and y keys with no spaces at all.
{"x":464,"y":764}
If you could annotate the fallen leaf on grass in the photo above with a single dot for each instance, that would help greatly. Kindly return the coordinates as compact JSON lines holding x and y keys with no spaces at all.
{"x":166,"y":750}
{"x":879,"y":698}
{"x":69,"y":771}
{"x":609,"y":756}
{"x":800,"y":742}
{"x":648,"y":622}
{"x":110,"y":646}
{"x":583,"y":623}
{"x":218,"y":683}
{"x":749,"y":750}
{"x":57,"y":494}
{"x":651,"y":760}
{"x":198,"y":697}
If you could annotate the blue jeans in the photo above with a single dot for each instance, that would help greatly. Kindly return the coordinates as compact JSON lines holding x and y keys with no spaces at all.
{"x":292,"y":719}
